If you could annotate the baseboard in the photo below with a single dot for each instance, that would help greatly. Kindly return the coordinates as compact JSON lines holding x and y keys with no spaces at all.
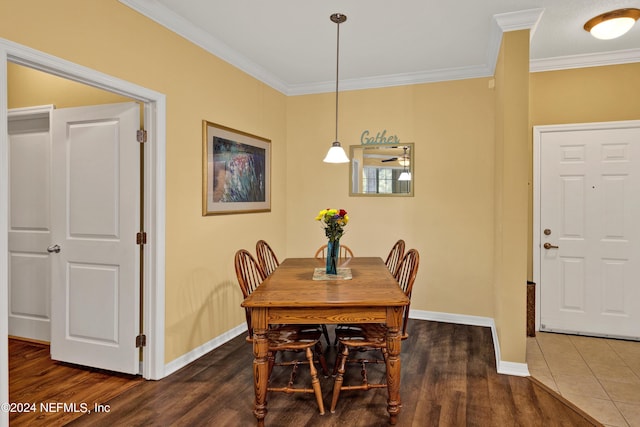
{"x":185,"y":359}
{"x":502,"y":367}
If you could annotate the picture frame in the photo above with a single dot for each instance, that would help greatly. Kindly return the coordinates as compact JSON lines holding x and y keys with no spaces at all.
{"x":236,"y":171}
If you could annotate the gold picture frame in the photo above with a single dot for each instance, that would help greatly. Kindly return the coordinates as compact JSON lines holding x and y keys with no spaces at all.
{"x":236,"y":171}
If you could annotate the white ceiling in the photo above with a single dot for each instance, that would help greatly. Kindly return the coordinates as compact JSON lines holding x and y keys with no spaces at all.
{"x":291,"y":44}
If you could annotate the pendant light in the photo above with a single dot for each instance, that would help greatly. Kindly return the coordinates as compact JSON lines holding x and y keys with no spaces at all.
{"x":611,"y":25}
{"x":336,"y":153}
{"x":405,"y":175}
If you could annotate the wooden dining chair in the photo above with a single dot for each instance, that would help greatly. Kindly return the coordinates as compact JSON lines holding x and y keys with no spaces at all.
{"x":393,"y":264}
{"x":369,"y":337}
{"x":345,"y":253}
{"x":281,"y":338}
{"x":266,"y":257}
{"x":395,"y":257}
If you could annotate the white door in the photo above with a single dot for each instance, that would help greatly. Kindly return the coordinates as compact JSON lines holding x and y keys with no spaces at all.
{"x":29,"y":223}
{"x":590,"y":231}
{"x":95,"y":218}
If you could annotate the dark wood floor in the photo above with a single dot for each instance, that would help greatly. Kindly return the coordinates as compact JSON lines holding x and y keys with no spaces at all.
{"x":448,"y":379}
{"x":37,"y":385}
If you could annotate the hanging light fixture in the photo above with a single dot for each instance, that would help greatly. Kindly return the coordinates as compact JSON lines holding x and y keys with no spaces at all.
{"x":405,"y":175}
{"x":404,"y":160}
{"x":611,"y":25}
{"x":336,"y":153}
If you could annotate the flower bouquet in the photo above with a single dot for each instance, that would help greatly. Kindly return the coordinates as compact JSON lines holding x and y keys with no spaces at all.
{"x":334,"y":221}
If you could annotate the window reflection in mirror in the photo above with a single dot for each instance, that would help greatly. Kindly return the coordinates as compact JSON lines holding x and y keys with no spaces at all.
{"x":381,"y":170}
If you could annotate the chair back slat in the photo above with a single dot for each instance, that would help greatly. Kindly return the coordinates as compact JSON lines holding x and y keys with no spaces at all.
{"x":395,"y":257}
{"x":250,"y":275}
{"x":345,"y":252}
{"x":266,"y":257}
{"x":406,"y":276}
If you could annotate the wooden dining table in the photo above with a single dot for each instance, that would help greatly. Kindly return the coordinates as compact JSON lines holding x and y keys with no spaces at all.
{"x":291,"y":295}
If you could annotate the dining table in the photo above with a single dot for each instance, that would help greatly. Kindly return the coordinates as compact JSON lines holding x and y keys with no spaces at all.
{"x":299,"y":292}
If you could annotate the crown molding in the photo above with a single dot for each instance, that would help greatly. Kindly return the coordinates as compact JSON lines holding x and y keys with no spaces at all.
{"x":157,"y":12}
{"x":583,"y":61}
{"x":504,"y":22}
{"x":393,"y":80}
{"x":521,"y":20}
{"x":512,"y":21}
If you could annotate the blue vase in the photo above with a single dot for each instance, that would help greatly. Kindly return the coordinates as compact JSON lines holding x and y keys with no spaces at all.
{"x":333,"y":253}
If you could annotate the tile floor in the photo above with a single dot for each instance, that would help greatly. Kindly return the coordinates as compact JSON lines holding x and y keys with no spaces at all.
{"x":600,"y":376}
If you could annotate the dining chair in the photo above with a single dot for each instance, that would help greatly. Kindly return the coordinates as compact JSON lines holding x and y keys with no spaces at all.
{"x":266,"y":257}
{"x":369,"y":337}
{"x":345,"y":253}
{"x":395,"y":257}
{"x":281,"y":338}
{"x":393,"y":264}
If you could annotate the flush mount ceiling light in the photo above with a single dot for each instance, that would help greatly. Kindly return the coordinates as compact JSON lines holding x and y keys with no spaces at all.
{"x":611,"y":25}
{"x":336,"y":153}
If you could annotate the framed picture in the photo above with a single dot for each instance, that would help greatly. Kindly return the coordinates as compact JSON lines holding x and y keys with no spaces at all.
{"x":236,"y":171}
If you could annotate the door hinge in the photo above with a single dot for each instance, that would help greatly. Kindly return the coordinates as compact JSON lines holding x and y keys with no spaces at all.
{"x":141,"y":238}
{"x":141,"y":341}
{"x":141,"y":136}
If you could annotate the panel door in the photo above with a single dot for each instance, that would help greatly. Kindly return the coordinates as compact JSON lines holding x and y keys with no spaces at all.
{"x":29,"y":223}
{"x":590,"y":232}
{"x":95,"y":217}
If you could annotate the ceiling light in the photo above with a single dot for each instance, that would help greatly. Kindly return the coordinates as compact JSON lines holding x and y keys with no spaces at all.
{"x":611,"y":25}
{"x":336,"y":153}
{"x":405,"y":175}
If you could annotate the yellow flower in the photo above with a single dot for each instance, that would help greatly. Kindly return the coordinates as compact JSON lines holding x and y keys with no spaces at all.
{"x":334,"y":220}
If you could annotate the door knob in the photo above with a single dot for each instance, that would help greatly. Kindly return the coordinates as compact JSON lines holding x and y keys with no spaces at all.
{"x":53,"y":249}
{"x":549,"y":246}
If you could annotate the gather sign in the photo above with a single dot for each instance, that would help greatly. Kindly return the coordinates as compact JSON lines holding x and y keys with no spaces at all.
{"x":367,"y":138}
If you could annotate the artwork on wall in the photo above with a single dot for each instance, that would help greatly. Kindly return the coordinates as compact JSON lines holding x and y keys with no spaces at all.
{"x":236,"y":171}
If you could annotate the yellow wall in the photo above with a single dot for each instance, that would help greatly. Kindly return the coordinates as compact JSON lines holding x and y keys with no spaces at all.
{"x":596,"y":94}
{"x":511,"y":202}
{"x":464,"y":163}
{"x":28,"y":87}
{"x":202,"y":295}
{"x":450,"y":219}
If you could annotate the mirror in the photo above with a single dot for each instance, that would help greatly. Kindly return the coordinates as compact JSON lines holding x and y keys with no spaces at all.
{"x":381,"y":170}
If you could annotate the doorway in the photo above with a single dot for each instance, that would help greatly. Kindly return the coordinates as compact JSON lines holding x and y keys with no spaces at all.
{"x":586,"y":237}
{"x":154,"y":218}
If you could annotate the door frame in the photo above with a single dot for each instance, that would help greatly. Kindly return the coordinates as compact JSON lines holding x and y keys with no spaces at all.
{"x":154,"y":203}
{"x":538,"y":132}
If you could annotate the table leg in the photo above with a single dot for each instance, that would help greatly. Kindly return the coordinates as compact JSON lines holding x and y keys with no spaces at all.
{"x":393,"y":364}
{"x":260,"y":363}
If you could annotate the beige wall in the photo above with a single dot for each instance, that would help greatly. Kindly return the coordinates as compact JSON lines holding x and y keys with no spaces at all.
{"x":461,"y":130}
{"x":450,"y":219}
{"x":202,"y":296}
{"x":511,"y":202}
{"x":28,"y":87}
{"x":596,"y":94}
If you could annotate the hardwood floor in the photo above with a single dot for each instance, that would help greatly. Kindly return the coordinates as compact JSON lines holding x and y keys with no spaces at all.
{"x":39,"y":387}
{"x":448,"y":379}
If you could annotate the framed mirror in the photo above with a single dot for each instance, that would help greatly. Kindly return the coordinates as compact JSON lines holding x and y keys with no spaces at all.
{"x":381,"y":170}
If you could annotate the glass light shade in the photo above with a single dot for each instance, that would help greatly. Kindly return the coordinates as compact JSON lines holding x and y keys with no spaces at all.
{"x":336,"y":154}
{"x":405,"y":176}
{"x":404,"y":161}
{"x":612,"y":28}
